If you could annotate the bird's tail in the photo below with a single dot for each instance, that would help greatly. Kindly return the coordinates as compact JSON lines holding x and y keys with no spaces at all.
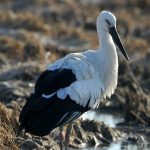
{"x":23,"y":115}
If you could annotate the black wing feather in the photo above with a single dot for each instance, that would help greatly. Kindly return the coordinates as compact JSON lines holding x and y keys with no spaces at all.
{"x":69,"y":117}
{"x":50,"y":81}
{"x":41,"y":115}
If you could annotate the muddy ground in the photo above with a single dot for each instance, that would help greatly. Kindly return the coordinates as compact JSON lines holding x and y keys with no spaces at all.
{"x":34,"y":33}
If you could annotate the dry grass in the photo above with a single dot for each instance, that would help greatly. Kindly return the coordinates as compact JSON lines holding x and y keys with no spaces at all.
{"x":25,"y":20}
{"x":10,"y":47}
{"x":137,"y":45}
{"x":21,"y":51}
{"x":33,"y":50}
{"x":8,"y":127}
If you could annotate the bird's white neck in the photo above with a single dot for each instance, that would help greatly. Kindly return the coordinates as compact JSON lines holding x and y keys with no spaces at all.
{"x":104,"y":38}
{"x":108,"y":62}
{"x":107,"y":49}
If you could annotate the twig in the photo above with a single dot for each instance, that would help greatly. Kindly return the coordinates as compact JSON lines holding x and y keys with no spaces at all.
{"x":138,"y":117}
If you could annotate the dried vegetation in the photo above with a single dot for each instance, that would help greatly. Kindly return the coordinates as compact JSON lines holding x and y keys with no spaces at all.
{"x":37,"y":32}
{"x":8,"y":127}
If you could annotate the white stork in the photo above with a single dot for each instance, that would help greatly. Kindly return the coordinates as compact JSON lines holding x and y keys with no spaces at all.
{"x":74,"y":84}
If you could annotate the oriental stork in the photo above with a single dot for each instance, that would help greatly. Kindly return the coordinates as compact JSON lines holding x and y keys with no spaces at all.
{"x":74,"y":84}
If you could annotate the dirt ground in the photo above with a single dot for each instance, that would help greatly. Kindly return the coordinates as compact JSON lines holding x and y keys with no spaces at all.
{"x":35,"y":33}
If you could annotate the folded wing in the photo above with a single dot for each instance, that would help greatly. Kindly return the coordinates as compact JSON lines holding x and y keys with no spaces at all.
{"x":43,"y":110}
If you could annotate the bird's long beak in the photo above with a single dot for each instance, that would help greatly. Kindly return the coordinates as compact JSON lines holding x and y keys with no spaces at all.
{"x":113,"y":32}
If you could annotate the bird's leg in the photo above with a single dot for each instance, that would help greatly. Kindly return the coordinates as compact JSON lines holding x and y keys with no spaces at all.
{"x":61,"y":137}
{"x":68,"y":132}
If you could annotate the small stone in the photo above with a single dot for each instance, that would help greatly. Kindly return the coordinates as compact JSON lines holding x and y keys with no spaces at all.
{"x":28,"y":144}
{"x":27,"y":136}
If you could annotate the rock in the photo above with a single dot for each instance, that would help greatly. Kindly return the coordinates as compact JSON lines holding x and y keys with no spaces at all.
{"x":28,"y":144}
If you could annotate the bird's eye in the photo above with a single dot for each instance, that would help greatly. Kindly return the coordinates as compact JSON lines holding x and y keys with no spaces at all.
{"x":107,"y":22}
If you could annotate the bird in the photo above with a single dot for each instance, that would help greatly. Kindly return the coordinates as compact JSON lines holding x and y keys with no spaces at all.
{"x":74,"y":84}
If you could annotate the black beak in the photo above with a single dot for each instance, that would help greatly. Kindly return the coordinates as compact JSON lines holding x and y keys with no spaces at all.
{"x":113,"y":32}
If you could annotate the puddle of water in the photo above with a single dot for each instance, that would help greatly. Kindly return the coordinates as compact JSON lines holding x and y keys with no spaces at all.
{"x":111,"y":120}
{"x":108,"y":119}
{"x":120,"y":146}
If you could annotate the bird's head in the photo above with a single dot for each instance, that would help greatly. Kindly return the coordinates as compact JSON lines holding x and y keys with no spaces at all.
{"x":106,"y":22}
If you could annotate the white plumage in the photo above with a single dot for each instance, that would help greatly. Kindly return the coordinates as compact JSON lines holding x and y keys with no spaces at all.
{"x":96,"y":71}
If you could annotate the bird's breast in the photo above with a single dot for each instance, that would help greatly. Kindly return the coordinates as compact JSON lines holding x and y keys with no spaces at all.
{"x":108,"y":75}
